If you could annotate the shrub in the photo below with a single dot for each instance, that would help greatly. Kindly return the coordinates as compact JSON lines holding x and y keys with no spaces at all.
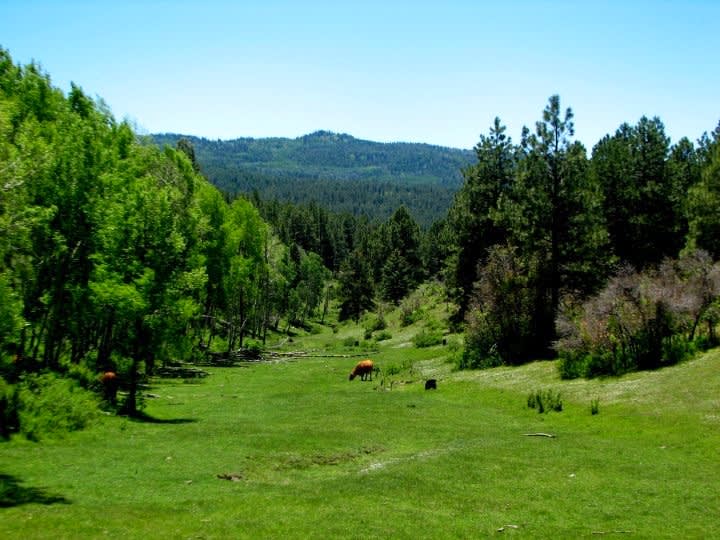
{"x":314,"y":329}
{"x":454,"y":345}
{"x":428,"y":338}
{"x":595,"y":406}
{"x":85,"y":376}
{"x":49,"y":405}
{"x":253,"y":349}
{"x":392,"y":370}
{"x":503,"y":319}
{"x":410,"y":310}
{"x":470,"y":358}
{"x":382,"y":336}
{"x":545,"y":401}
{"x":572,"y":365}
{"x":350,"y":341}
{"x":375,"y":322}
{"x":639,"y":320}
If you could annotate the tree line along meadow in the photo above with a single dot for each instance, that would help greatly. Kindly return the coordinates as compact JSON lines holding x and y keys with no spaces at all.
{"x":118,"y":256}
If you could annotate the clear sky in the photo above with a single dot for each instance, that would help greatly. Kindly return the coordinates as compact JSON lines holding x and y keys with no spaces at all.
{"x":435,"y":72}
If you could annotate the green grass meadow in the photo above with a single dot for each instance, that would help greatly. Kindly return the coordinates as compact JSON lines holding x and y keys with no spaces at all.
{"x":305,"y":453}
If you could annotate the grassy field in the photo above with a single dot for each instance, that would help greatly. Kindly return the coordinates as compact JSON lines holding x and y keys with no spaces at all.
{"x":292,"y":449}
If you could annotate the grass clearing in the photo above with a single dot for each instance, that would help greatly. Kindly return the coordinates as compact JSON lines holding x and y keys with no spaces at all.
{"x":293,"y":449}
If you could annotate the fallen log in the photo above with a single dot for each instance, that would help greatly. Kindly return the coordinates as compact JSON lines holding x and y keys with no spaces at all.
{"x":180,"y":372}
{"x":549,"y":435}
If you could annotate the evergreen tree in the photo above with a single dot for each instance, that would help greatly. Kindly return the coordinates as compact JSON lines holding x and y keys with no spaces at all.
{"x":643,"y":194}
{"x":553,"y":215}
{"x":396,"y":277}
{"x":703,"y":204}
{"x":472,"y":217}
{"x":400,"y":265}
{"x":355,"y":287}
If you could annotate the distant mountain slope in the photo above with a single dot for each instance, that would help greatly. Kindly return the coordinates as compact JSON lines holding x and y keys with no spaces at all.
{"x":332,"y":156}
{"x":336,"y":170}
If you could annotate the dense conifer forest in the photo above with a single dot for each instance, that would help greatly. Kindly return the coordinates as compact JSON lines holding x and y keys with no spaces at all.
{"x":337,"y":171}
{"x":117,"y":254}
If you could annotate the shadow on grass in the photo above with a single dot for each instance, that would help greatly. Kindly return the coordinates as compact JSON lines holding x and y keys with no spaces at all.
{"x":147,"y":419}
{"x":13,"y":493}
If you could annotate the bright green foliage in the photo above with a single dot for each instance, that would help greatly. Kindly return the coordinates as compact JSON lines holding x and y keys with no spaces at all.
{"x":311,"y":285}
{"x":428,"y":337}
{"x":51,"y":406}
{"x":114,"y":254}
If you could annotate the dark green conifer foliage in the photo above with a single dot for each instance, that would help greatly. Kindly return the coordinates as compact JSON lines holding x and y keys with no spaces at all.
{"x":473,"y":216}
{"x":704,"y":202}
{"x":644,"y":187}
{"x":355,"y":287}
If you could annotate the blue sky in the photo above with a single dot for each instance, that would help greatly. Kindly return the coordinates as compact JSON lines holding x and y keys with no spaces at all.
{"x":435,"y":72}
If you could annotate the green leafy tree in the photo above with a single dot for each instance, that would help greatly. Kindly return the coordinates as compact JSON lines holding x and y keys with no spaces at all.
{"x":313,"y":276}
{"x":245,"y":233}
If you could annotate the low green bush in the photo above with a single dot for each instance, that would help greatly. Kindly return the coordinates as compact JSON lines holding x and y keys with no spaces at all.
{"x":428,"y":338}
{"x":49,"y":405}
{"x":350,"y":341}
{"x":545,"y":401}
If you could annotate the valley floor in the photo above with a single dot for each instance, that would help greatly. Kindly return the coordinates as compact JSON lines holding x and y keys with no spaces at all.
{"x":292,"y":449}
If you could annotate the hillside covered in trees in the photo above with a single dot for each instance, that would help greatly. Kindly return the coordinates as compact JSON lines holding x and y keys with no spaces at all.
{"x":337,"y":171}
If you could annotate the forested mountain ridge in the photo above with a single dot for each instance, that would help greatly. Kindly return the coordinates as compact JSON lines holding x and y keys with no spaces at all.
{"x":342,"y":173}
{"x":331,"y":156}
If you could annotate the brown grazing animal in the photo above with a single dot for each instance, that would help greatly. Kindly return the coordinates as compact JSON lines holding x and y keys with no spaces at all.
{"x":110,"y":382}
{"x":363,"y":368}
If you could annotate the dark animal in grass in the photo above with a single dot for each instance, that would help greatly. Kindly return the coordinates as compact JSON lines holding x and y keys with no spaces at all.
{"x":364,"y":368}
{"x":431,"y":384}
